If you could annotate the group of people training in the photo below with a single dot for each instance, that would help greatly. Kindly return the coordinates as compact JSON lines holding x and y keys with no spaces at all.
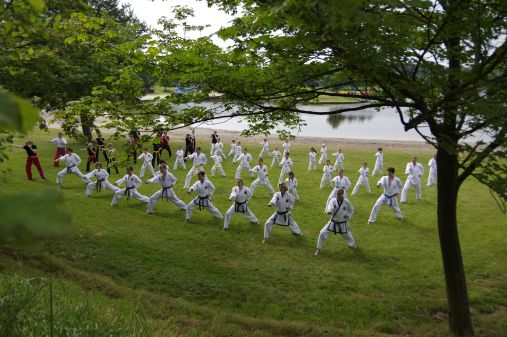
{"x":338,"y":206}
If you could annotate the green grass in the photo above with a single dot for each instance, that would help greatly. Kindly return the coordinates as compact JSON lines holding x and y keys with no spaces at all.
{"x":193,"y":279}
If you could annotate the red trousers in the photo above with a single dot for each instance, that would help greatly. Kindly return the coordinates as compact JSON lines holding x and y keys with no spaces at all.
{"x":29,"y":162}
{"x":60,"y":151}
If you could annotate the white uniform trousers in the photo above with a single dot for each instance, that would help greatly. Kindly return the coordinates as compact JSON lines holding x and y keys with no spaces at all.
{"x":432,"y":178}
{"x":275,"y":161}
{"x":294,"y":193}
{"x":193,"y":171}
{"x":133,"y":193}
{"x":236,"y":156}
{"x":326,"y":178}
{"x":169,"y":194}
{"x":408,"y":184}
{"x":231,"y":152}
{"x":361,"y":181}
{"x":219,"y":168}
{"x":283,"y":172}
{"x":338,"y":165}
{"x":264,"y":183}
{"x":264,"y":151}
{"x":105,"y":184}
{"x":323,"y":158}
{"x":383,"y":199}
{"x":377,"y":168}
{"x":145,"y":166}
{"x":209,"y":206}
{"x":230,"y":212}
{"x":312,"y":165}
{"x":70,"y":170}
{"x":243,"y":167}
{"x":268,"y":226}
{"x":179,"y":161}
{"x":212,"y":149}
{"x":325,"y":231}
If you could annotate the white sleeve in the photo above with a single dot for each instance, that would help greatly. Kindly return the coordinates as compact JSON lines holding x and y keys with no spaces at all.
{"x":194,"y":186}
{"x":407,"y":169}
{"x":89,"y":175}
{"x":330,"y":206}
{"x":233,"y":193}
{"x":153,"y":180}
{"x":64,"y":157}
{"x":120,"y":181}
{"x":78,"y":160}
{"x":140,"y":156}
{"x":273,"y":199}
{"x":211,"y":188}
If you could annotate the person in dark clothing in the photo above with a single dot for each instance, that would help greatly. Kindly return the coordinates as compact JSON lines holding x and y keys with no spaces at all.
{"x":31,"y":159}
{"x":164,"y":144}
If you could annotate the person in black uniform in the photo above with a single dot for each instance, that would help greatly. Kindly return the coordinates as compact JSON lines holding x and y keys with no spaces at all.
{"x":101,"y":142}
{"x":31,"y":151}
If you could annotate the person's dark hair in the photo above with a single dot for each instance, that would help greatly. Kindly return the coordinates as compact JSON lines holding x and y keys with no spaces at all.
{"x":201,"y":173}
{"x":391,"y":169}
{"x":198,"y":148}
{"x":130,"y":168}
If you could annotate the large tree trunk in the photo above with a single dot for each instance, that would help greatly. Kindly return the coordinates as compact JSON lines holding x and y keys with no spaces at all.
{"x":86,"y":127}
{"x":460,"y":322}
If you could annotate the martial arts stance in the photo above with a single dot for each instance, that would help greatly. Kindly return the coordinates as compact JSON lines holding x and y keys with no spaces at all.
{"x":217,"y":166}
{"x":363,"y":179}
{"x":147,"y":158}
{"x":238,"y":152}
{"x":167,"y":182}
{"x":323,"y":156}
{"x":111,"y":158}
{"x":414,"y":172}
{"x":101,"y":182}
{"x":31,"y":152}
{"x":179,"y":159}
{"x":286,"y":147}
{"x":432,"y":176}
{"x":100,"y":146}
{"x":132,"y":183}
{"x":286,"y":165}
{"x":284,"y":202}
{"x":292,"y":185}
{"x":205,"y":190}
{"x":219,"y":146}
{"x":92,"y":156}
{"x":214,"y":141}
{"x":72,"y":161}
{"x":340,"y":158}
{"x":244,"y":163}
{"x":312,"y":160}
{"x":340,"y":181}
{"x":61,"y":144}
{"x":233,"y":148}
{"x":340,"y":211}
{"x":326,"y":175}
{"x":276,"y":157}
{"x":240,"y":194}
{"x":262,"y":177}
{"x":265,"y":148}
{"x":199,"y":160}
{"x":392,"y":187}
{"x":379,"y":162}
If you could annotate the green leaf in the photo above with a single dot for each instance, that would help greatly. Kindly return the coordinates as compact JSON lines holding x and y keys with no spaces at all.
{"x":38,"y":5}
{"x":16,"y":114}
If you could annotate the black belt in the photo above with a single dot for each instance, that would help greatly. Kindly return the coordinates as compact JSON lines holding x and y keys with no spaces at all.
{"x":69,"y":171}
{"x":390,"y":198}
{"x":340,"y":230}
{"x":98,"y":184}
{"x":285,"y":215}
{"x":127,"y":191}
{"x":164,"y":192}
{"x":239,"y":205}
{"x":202,"y":202}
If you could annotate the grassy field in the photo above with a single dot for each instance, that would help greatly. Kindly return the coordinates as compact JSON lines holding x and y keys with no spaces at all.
{"x":193,"y":279}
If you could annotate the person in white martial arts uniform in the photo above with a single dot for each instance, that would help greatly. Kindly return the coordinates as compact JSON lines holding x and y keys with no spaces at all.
{"x":262,"y":177}
{"x":72,"y":161}
{"x":132,"y":183}
{"x":233,"y":148}
{"x":286,"y":165}
{"x":101,"y":182}
{"x":167,"y":182}
{"x":61,"y":144}
{"x":340,"y":211}
{"x":219,"y":146}
{"x":205,"y":190}
{"x":276,"y":157}
{"x":147,"y":158}
{"x":284,"y":203}
{"x":286,"y":147}
{"x":414,"y":172}
{"x":217,"y":163}
{"x":379,"y":162}
{"x":312,"y":160}
{"x":340,"y":181}
{"x":292,"y":185}
{"x":238,"y":152}
{"x":240,"y":194}
{"x":326,"y":175}
{"x":392,"y":186}
{"x":323,"y":155}
{"x":180,"y":154}
{"x":111,"y":158}
{"x":199,"y":160}
{"x":432,"y":176}
{"x":244,"y":163}
{"x":363,"y":179}
{"x":265,"y":148}
{"x":339,"y":162}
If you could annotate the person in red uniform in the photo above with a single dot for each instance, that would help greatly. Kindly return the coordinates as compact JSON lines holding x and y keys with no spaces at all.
{"x":31,"y":151}
{"x":61,"y":144}
{"x":164,"y":144}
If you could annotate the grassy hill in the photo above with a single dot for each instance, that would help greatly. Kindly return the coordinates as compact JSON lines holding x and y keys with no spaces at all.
{"x":193,"y":279}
